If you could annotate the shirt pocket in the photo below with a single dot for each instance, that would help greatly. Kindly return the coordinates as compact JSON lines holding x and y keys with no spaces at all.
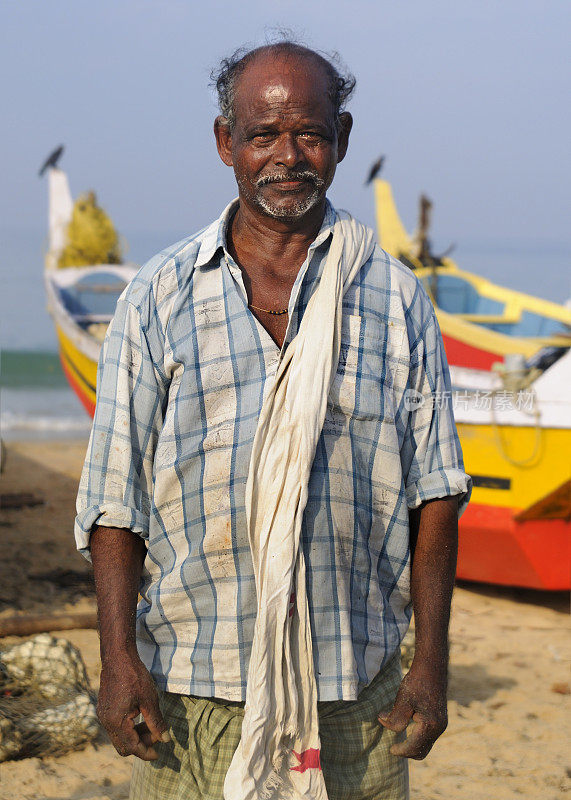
{"x":363,"y":385}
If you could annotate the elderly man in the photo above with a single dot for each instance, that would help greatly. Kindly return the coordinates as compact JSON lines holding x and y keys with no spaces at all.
{"x":259,"y":473}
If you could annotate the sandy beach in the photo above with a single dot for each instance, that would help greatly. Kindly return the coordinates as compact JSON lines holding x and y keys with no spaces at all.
{"x":509,"y":729}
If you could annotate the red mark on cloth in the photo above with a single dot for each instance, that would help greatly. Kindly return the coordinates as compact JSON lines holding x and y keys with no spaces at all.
{"x":308,"y":759}
{"x":291,"y":606}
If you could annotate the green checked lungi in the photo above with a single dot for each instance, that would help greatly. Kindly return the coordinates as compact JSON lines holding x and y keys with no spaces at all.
{"x":205,"y":732}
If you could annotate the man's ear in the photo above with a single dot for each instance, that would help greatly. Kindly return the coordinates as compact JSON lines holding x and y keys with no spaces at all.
{"x":223,"y":140}
{"x":345,"y":125}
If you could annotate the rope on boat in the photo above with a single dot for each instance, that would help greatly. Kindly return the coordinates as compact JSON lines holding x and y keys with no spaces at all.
{"x":502,"y":447}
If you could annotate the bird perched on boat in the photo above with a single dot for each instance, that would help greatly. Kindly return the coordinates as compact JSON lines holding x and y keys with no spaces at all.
{"x":375,"y":169}
{"x":51,"y":160}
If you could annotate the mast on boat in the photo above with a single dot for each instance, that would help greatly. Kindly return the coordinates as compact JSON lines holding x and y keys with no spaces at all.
{"x":60,"y":207}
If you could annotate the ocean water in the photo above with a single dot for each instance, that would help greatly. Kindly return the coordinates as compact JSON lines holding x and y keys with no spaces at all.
{"x":35,"y":399}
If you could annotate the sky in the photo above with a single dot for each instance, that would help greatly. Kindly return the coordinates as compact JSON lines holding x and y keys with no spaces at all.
{"x":468,"y":101}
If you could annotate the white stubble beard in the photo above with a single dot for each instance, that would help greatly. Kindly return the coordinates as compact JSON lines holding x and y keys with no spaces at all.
{"x":298,"y":210}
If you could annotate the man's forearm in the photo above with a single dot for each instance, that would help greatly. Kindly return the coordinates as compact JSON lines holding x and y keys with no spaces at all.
{"x":421,"y":698}
{"x":127,"y":688}
{"x":434,"y":542}
{"x":118,"y":555}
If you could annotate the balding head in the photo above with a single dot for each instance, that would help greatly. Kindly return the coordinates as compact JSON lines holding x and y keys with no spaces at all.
{"x":339,"y":86}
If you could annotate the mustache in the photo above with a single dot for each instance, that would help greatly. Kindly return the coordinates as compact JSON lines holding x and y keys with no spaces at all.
{"x":296,"y":175}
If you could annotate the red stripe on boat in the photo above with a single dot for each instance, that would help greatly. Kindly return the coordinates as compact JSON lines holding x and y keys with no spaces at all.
{"x":77,"y":388}
{"x":496,"y":548}
{"x":466,"y":355}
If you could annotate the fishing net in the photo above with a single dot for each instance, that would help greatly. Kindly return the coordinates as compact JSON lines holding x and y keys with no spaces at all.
{"x":46,"y":704}
{"x":91,"y":236}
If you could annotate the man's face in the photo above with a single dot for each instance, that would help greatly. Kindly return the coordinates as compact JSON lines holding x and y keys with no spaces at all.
{"x":284,"y":146}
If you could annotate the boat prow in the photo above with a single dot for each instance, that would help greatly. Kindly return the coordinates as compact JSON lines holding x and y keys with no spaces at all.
{"x":481,"y":322}
{"x":81,"y":299}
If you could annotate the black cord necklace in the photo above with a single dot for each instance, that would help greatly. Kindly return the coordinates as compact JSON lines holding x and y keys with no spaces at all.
{"x":268,"y":311}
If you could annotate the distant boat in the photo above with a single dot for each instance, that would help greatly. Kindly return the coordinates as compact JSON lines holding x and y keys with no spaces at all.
{"x":481,"y":322}
{"x":510,"y":367}
{"x":81,"y":299}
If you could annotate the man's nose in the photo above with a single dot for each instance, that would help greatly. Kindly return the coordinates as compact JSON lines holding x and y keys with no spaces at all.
{"x":287,"y":152}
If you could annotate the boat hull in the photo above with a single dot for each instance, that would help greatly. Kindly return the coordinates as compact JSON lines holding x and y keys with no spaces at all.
{"x":516,"y":530}
{"x":80,"y":332}
{"x":494,"y":547}
{"x":80,"y":370}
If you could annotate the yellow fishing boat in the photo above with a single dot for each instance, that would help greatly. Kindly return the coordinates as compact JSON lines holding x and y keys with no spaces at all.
{"x":81,"y":296}
{"x":481,"y":322}
{"x":510,"y":366}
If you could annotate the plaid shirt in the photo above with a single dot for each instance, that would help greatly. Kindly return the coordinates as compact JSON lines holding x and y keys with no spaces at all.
{"x":180,"y":388}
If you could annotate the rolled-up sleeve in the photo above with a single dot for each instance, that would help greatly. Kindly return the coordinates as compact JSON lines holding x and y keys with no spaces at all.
{"x":116,"y":483}
{"x":432,"y":457}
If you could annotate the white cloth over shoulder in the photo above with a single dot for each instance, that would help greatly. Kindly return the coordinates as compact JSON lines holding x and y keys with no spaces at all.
{"x":278,"y":755}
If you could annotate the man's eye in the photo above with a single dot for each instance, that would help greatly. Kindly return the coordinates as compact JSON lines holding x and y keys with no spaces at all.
{"x":263,"y":137}
{"x":311,"y":136}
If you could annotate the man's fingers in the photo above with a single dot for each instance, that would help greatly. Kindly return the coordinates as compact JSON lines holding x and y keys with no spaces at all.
{"x":421,"y":699}
{"x":130,"y":739}
{"x":121,"y":702}
{"x":419,"y":741}
{"x":144,"y":734}
{"x":155,"y":722}
{"x":398,"y":718}
{"x":417,"y":745}
{"x":144,"y":752}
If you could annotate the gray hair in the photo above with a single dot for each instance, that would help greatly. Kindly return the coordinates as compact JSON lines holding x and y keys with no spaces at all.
{"x":223,"y":79}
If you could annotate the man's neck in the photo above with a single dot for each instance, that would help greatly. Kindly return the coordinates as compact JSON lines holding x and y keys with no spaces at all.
{"x":260,"y":243}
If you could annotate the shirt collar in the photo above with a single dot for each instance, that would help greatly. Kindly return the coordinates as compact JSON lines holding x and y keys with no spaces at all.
{"x":214,"y":237}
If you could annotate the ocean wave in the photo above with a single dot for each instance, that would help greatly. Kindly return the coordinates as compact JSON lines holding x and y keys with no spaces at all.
{"x":9,"y":421}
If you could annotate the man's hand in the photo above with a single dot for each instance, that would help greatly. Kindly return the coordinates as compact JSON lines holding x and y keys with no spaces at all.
{"x":128,"y":690}
{"x":421,"y":699}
